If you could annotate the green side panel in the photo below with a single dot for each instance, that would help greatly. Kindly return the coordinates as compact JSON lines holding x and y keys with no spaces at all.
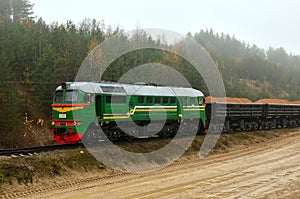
{"x":86,"y":116}
{"x":134,"y":109}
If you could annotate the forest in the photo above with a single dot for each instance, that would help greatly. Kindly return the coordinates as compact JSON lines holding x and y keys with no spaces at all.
{"x":36,"y":57}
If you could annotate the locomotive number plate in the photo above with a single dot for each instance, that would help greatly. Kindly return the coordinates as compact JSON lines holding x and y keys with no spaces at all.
{"x":62,"y":115}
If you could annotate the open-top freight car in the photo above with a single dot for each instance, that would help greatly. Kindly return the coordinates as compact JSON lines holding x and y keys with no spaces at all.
{"x":282,"y":115}
{"x":81,"y":106}
{"x":254,"y":116}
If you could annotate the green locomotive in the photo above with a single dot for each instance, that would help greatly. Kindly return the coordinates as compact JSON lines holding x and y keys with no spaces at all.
{"x":79,"y":107}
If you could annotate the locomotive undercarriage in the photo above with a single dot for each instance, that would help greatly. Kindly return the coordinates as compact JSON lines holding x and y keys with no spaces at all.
{"x":142,"y":129}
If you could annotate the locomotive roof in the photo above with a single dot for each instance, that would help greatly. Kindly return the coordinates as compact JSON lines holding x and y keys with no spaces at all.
{"x":132,"y":89}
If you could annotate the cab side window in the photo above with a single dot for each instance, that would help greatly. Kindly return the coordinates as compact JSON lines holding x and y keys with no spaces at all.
{"x":88,"y":98}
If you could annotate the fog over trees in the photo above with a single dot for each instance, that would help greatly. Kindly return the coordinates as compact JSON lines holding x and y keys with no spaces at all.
{"x":36,"y":57}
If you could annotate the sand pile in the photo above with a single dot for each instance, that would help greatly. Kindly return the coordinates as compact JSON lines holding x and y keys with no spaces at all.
{"x":272,"y":101}
{"x":227,"y":99}
{"x":245,"y":100}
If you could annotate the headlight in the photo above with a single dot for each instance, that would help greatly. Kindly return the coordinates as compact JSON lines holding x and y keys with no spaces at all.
{"x":76,"y":123}
{"x":53,"y":123}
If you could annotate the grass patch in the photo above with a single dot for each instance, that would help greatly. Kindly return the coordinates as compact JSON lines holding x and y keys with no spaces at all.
{"x":12,"y":172}
{"x":23,"y":170}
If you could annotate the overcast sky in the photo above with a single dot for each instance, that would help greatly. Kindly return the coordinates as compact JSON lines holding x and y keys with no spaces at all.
{"x":265,"y":23}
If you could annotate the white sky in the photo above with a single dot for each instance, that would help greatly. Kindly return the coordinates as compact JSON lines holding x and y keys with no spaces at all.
{"x":265,"y":23}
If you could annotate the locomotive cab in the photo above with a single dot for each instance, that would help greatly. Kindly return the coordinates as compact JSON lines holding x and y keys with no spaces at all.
{"x":68,"y":111}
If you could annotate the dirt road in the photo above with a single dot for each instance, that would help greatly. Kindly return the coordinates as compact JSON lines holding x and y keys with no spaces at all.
{"x":265,"y":170}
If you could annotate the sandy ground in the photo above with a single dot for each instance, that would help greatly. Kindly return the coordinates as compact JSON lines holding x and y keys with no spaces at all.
{"x":265,"y":170}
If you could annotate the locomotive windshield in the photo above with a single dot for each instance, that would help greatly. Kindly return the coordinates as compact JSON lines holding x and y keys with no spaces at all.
{"x":71,"y":96}
{"x":58,"y":96}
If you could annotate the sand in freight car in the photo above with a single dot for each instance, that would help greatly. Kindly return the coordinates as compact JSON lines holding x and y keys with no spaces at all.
{"x":227,"y":99}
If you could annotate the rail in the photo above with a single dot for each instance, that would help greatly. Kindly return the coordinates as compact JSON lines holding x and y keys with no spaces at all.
{"x":38,"y":149}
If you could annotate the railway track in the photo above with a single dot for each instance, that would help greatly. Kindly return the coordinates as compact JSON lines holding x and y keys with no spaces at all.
{"x":37,"y":149}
